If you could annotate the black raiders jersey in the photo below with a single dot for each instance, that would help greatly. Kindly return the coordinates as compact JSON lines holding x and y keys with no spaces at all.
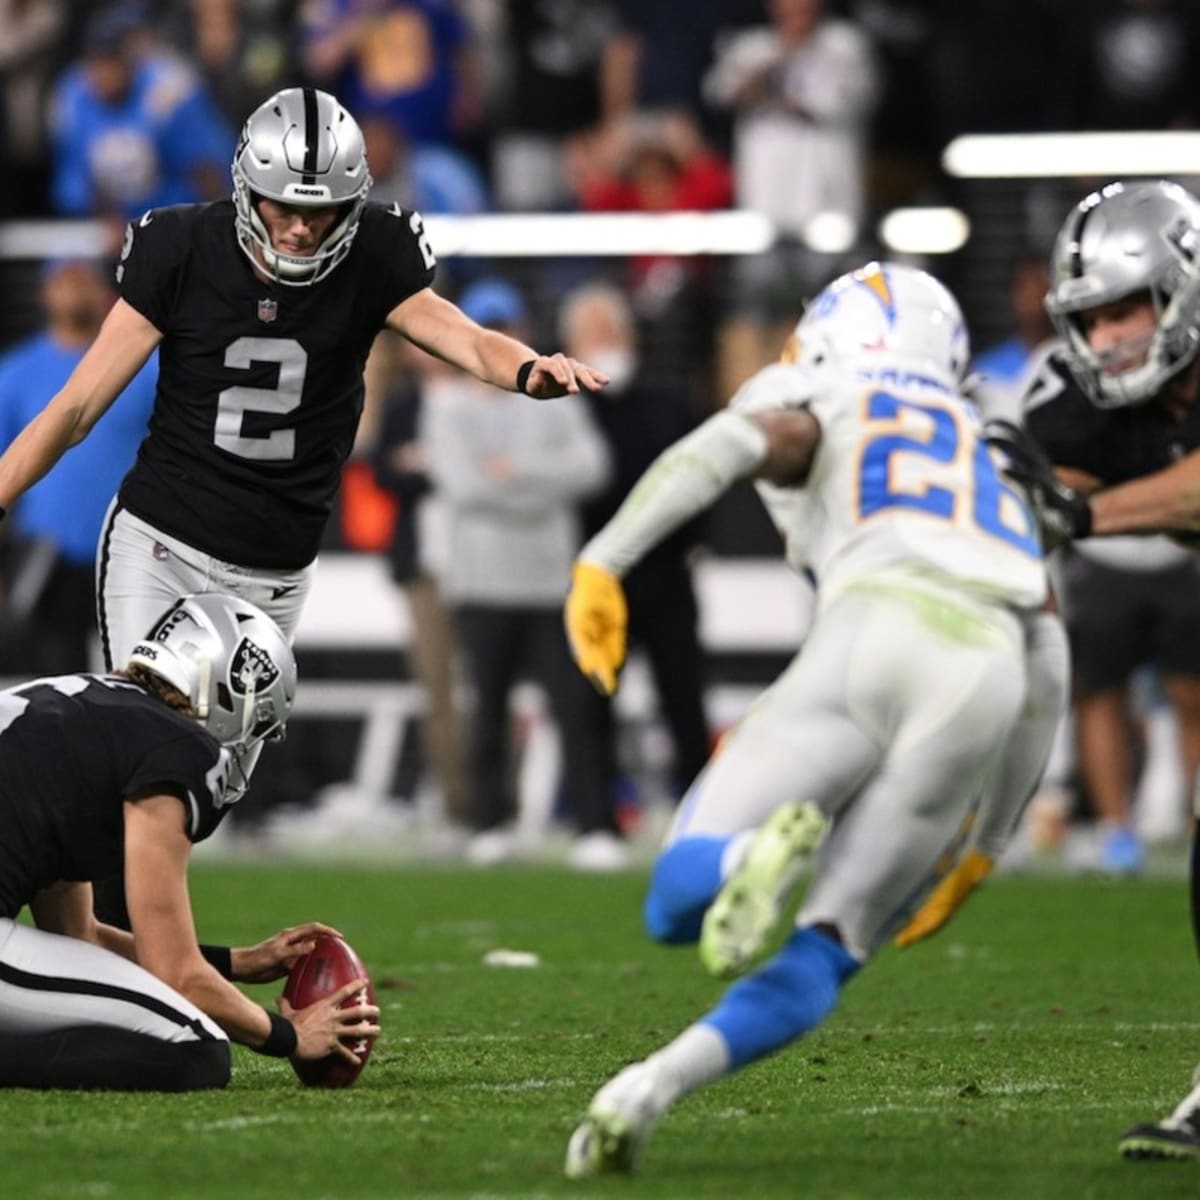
{"x":73,"y":748}
{"x":1116,"y":444}
{"x":260,"y":385}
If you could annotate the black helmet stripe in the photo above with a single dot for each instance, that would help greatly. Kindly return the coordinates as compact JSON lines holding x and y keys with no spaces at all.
{"x":312,"y":135}
{"x":1085,"y":212}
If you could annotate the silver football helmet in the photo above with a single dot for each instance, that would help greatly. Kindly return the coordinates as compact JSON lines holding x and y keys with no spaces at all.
{"x":300,"y":147}
{"x":233,"y":664}
{"x":1120,"y":241}
{"x":886,"y":312}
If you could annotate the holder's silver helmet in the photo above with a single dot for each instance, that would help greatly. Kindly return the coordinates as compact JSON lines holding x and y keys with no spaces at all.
{"x":300,"y":147}
{"x":889,"y":311}
{"x":1120,"y":241}
{"x":233,"y":664}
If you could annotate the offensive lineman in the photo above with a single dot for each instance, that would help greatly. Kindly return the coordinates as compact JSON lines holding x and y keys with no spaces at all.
{"x":876,"y":472}
{"x":1116,"y":412}
{"x":263,"y":308}
{"x":135,"y":767}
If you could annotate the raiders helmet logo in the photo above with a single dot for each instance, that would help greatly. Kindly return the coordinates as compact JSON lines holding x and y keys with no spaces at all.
{"x":250,"y":663}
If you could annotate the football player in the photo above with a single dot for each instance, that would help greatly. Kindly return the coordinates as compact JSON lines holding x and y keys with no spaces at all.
{"x":263,"y":308}
{"x":1115,"y":411}
{"x":135,"y":767}
{"x":884,"y":732}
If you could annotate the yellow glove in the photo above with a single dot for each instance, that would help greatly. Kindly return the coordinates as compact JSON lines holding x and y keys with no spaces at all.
{"x":946,"y":899}
{"x":596,"y":616}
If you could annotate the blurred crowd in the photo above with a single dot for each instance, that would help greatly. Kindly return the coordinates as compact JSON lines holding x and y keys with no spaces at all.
{"x":793,"y":108}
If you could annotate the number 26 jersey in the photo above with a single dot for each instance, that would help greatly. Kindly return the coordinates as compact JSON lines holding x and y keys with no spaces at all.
{"x":901,"y":480}
{"x":260,"y":384}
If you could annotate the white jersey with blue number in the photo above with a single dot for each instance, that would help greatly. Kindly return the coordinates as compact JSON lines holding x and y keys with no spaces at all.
{"x":901,"y":480}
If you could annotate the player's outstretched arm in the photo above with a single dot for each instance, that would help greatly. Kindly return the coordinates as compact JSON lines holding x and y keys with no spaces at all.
{"x":125,"y":341}
{"x":444,"y":330}
{"x":156,"y":856}
{"x":1168,"y":501}
{"x":685,"y":479}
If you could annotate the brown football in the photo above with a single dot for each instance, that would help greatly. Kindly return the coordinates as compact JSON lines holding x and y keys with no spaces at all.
{"x":330,"y":965}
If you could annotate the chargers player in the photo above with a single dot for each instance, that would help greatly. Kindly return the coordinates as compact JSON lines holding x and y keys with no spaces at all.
{"x":882,"y":734}
{"x":132,"y":768}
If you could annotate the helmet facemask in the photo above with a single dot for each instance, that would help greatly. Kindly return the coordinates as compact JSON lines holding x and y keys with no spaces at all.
{"x":1121,"y":243}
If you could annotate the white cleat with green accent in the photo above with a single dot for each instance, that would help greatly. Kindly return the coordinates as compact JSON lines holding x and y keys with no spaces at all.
{"x":618,"y":1121}
{"x":759,"y":899}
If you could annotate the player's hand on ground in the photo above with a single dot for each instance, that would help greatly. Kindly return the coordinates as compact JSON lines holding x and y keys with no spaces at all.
{"x":321,"y":1026}
{"x":596,"y":617}
{"x":947,"y":898}
{"x":1063,"y":514}
{"x":557,"y":374}
{"x":274,"y":958}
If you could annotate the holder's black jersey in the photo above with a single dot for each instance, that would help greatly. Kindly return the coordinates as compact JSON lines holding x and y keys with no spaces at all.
{"x":1116,"y":444}
{"x":73,"y":748}
{"x":260,"y":384}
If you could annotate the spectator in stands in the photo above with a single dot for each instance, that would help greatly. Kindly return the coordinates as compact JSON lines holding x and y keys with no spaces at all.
{"x":409,"y":61}
{"x":52,"y":534}
{"x":243,"y":50}
{"x":31,"y":35}
{"x":132,"y":129}
{"x":510,"y":474}
{"x":429,"y":178}
{"x":639,"y":422}
{"x":658,"y":61}
{"x":400,"y":464}
{"x":801,"y":92}
{"x":555,"y":55}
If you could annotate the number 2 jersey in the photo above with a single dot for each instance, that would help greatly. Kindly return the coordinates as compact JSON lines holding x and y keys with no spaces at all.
{"x":260,"y":384}
{"x":73,"y":748}
{"x":901,"y":481}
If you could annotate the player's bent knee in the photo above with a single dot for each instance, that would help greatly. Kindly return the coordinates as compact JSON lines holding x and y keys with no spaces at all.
{"x":204,"y":1066}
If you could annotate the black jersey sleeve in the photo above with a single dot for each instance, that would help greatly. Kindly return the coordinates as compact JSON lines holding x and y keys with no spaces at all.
{"x":194,"y":768}
{"x":152,"y":259}
{"x":400,"y":253}
{"x":1065,"y":423}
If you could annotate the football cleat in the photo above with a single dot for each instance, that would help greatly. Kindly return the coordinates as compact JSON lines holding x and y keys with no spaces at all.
{"x":1176,"y":1137}
{"x":759,"y":899}
{"x":618,"y":1121}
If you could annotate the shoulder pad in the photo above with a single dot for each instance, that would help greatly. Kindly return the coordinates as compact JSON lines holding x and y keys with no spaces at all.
{"x":780,"y":385}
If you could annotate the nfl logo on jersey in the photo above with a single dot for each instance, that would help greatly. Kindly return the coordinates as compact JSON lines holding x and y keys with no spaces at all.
{"x":267,"y":310}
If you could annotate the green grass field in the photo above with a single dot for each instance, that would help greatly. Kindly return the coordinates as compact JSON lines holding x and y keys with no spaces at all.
{"x":1001,"y":1059}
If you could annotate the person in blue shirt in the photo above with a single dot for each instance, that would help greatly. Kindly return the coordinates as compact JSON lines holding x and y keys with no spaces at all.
{"x":133,"y":128}
{"x":56,"y":525}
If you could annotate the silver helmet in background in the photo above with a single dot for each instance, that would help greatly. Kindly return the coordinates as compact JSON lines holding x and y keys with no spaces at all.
{"x":300,"y":147}
{"x":1122,"y":241}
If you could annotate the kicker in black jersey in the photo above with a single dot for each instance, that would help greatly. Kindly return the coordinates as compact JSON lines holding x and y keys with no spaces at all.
{"x":260,"y":385}
{"x":1114,"y":444}
{"x":73,"y":749}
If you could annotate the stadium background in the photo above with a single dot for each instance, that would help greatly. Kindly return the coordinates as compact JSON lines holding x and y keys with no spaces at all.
{"x":944,"y":70}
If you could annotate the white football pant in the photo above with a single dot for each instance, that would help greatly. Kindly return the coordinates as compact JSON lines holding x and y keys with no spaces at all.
{"x":50,"y":983}
{"x":890,"y":721}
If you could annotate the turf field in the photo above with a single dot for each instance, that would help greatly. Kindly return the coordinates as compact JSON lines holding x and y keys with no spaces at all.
{"x":1001,"y":1059}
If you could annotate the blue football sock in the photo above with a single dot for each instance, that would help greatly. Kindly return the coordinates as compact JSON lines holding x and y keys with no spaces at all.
{"x":791,"y":994}
{"x":686,"y":877}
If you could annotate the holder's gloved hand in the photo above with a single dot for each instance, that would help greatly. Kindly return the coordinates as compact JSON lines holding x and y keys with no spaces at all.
{"x":947,"y":898}
{"x":596,"y":617}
